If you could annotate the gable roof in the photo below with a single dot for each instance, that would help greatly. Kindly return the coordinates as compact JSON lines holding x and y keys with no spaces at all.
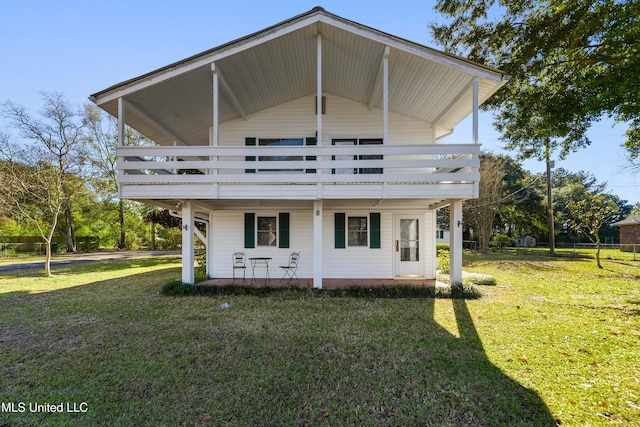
{"x":632,"y":220}
{"x":278,"y":64}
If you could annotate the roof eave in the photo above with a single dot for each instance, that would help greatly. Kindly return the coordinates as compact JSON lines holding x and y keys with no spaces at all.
{"x":315,"y":15}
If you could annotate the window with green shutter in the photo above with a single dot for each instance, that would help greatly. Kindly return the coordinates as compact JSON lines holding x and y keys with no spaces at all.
{"x":250,"y":142}
{"x":283,"y":232}
{"x":374,"y":224}
{"x":340,"y":230}
{"x":249,"y":230}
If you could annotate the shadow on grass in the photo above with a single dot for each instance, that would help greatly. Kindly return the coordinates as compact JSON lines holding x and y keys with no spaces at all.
{"x":137,"y":358}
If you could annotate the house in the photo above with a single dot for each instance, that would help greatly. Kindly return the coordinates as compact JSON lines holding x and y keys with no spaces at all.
{"x":629,"y":233}
{"x":318,"y":135}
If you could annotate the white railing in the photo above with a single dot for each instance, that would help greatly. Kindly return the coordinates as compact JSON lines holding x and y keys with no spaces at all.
{"x":364,"y":164}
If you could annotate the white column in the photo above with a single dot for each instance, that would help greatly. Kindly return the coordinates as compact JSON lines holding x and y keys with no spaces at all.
{"x":455,"y":244}
{"x":385,"y":96}
{"x":216,"y":119}
{"x":210,"y":245}
{"x":121,"y":121}
{"x":188,"y":255}
{"x":317,"y":243}
{"x":475,"y":111}
{"x":319,"y":92}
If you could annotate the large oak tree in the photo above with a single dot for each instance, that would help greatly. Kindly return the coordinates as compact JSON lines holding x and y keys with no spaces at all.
{"x":571,"y":63}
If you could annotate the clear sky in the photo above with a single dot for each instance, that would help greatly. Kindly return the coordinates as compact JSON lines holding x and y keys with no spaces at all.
{"x":79,"y":47}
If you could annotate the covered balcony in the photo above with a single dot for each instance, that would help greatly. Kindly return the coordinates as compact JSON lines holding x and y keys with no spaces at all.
{"x":300,"y":172}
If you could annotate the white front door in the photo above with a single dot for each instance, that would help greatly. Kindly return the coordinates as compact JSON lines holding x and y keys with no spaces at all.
{"x":409,"y":259}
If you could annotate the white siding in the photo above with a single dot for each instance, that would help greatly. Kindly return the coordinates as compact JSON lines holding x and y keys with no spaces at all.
{"x":351,"y":262}
{"x":358,"y":262}
{"x":343,"y":119}
{"x":228,"y":237}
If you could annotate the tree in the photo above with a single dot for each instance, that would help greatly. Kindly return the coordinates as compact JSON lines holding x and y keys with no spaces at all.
{"x":58,"y":137}
{"x":591,"y":213}
{"x":102,"y":140}
{"x":507,"y":200}
{"x":32,"y":188}
{"x":570,"y":63}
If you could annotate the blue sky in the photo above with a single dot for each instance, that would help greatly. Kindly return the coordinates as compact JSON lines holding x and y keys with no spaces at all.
{"x":81,"y":47}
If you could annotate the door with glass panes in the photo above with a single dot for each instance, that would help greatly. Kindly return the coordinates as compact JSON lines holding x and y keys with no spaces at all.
{"x":408,"y":253}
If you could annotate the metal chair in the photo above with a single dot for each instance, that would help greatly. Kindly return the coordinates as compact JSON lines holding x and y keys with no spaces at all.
{"x":239,"y":262}
{"x":290,"y":269}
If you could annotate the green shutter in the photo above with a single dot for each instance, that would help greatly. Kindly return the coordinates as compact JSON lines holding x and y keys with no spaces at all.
{"x":283,"y":231}
{"x":374,"y":225}
{"x":310,"y":141}
{"x":340,"y":232}
{"x":249,"y":230}
{"x":250,"y":142}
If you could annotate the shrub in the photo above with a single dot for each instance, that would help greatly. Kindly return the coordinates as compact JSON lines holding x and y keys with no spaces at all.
{"x":465,"y":291}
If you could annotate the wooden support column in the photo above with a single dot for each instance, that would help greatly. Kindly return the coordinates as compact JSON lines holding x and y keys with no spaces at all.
{"x":455,"y":245}
{"x":210,"y":246}
{"x":216,"y":96}
{"x":385,"y":96}
{"x":319,"y":93}
{"x":317,"y":243}
{"x":188,"y":253}
{"x":121,"y":124}
{"x":474,"y":138}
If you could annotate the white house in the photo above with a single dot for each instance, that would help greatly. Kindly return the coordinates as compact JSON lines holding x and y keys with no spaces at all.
{"x":318,"y":135}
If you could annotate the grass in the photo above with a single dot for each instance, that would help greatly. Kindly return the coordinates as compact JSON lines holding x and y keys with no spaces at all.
{"x":556,"y":340}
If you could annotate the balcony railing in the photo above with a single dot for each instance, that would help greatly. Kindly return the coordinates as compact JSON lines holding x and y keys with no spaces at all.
{"x":309,"y":164}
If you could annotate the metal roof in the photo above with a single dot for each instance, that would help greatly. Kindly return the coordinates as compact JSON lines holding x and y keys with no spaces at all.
{"x":278,"y":64}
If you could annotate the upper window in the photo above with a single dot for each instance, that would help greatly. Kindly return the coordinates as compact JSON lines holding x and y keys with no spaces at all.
{"x":355,"y":170}
{"x":278,"y":142}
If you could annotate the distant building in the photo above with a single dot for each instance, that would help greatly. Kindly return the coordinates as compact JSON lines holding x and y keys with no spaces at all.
{"x":629,"y":232}
{"x":526,"y":242}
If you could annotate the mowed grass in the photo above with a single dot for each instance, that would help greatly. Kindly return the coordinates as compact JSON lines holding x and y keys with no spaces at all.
{"x":557,"y":340}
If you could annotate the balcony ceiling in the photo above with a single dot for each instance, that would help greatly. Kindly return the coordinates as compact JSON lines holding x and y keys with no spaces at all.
{"x":278,"y":64}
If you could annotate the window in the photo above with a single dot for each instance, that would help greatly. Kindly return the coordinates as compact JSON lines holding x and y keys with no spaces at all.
{"x":267,"y":231}
{"x":357,"y":231}
{"x":361,"y":157}
{"x":279,"y":142}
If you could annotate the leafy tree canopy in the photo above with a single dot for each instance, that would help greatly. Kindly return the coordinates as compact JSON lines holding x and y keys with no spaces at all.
{"x":570,"y":62}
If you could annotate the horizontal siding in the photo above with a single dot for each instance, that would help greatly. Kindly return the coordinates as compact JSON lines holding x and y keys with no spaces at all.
{"x":344,"y":119}
{"x":358,"y":262}
{"x":351,"y":262}
{"x":228,"y":237}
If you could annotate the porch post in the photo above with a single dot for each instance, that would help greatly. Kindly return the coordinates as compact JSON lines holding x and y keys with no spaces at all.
{"x":121,"y":124}
{"x":210,"y":245}
{"x":319,"y":92}
{"x":188,"y":255}
{"x":385,"y":97}
{"x":455,"y":244}
{"x":317,"y":243}
{"x":475,"y":111}
{"x":216,"y":118}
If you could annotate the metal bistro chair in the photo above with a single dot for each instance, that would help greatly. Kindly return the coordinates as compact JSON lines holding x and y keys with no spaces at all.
{"x":239,"y":262}
{"x":290,"y":269}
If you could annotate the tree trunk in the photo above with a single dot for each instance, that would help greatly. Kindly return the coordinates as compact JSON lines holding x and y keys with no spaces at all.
{"x":598,"y":251}
{"x":122,"y":243}
{"x":153,"y":235}
{"x":71,"y":233}
{"x":47,"y":258}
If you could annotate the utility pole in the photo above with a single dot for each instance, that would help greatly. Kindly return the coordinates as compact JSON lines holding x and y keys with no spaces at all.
{"x":552,"y":237}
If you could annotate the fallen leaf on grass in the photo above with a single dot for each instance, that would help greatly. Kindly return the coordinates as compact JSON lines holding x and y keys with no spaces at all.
{"x":523,"y":360}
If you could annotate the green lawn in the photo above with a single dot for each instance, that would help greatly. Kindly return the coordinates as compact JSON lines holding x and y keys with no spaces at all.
{"x":555,"y":340}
